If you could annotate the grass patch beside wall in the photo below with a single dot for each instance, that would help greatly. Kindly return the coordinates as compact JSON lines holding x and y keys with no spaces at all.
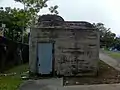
{"x":113,"y":54}
{"x":12,"y":82}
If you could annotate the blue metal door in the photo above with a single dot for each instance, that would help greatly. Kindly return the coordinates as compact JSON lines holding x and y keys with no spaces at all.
{"x":45,"y":58}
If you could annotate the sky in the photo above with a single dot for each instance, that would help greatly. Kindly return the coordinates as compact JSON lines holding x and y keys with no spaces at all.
{"x":93,"y":11}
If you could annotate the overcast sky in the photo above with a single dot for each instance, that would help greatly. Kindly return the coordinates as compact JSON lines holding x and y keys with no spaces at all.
{"x":105,"y":11}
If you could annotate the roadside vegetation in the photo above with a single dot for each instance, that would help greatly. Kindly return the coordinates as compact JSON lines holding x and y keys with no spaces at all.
{"x":113,"y":54}
{"x":11,"y":79}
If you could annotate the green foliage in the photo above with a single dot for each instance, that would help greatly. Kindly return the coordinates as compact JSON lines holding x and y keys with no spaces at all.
{"x":15,"y":20}
{"x":19,"y":69}
{"x":26,"y":38}
{"x":107,"y":38}
{"x":13,"y":82}
{"x":115,"y":55}
{"x":52,"y":9}
{"x":35,"y":6}
{"x":10,"y":83}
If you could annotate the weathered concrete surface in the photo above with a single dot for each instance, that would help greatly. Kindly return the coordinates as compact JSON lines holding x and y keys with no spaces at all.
{"x":42,"y":84}
{"x":56,"y":84}
{"x":93,"y":87}
{"x":75,"y":45}
{"x":109,"y":60}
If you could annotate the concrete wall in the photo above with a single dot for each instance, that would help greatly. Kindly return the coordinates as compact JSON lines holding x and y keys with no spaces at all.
{"x":76,"y":51}
{"x":76,"y":45}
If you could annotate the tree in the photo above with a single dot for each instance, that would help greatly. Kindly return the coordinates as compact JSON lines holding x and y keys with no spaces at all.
{"x":17,"y":20}
{"x":32,"y":7}
{"x":35,"y":6}
{"x":13,"y":18}
{"x":107,"y":38}
{"x":53,"y":9}
{"x":26,"y":38}
{"x":117,"y":43}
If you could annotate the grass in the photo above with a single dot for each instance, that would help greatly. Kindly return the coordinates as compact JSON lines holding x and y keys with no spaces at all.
{"x":19,"y":69}
{"x":13,"y":82}
{"x":115,"y":55}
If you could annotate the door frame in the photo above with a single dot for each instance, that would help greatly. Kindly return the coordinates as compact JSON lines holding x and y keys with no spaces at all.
{"x":53,"y":57}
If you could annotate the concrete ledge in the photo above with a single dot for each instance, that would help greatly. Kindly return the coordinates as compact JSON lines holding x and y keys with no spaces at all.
{"x":93,"y":87}
{"x":56,"y":84}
